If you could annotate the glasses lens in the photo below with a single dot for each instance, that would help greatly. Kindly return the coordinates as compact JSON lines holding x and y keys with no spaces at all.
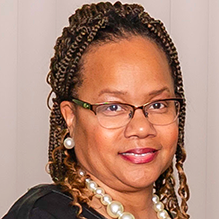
{"x":113,"y":115}
{"x":116,"y":115}
{"x":162,"y":112}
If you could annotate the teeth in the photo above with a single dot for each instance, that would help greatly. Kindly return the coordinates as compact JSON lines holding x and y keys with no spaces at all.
{"x":136,"y":155}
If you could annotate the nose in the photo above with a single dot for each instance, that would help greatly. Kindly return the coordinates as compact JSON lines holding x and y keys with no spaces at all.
{"x":139,"y":126}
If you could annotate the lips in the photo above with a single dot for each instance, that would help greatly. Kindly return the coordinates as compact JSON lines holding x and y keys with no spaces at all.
{"x":139,"y":155}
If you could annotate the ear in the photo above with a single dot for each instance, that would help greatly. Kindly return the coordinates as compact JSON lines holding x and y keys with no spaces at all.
{"x":67,"y":110}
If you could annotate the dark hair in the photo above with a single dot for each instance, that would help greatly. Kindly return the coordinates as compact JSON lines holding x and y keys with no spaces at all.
{"x":97,"y":24}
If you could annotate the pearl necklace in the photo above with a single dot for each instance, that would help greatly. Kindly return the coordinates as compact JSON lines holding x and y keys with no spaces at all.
{"x":115,"y":209}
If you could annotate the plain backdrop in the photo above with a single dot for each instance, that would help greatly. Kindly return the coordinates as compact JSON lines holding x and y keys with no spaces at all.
{"x":28,"y":30}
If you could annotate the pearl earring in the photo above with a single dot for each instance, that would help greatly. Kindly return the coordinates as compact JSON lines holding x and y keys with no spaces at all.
{"x":69,"y":143}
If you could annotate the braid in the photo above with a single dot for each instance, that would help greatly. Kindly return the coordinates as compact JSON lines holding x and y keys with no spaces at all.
{"x":92,"y":25}
{"x":56,"y":157}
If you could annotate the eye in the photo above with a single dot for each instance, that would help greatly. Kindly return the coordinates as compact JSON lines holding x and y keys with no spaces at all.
{"x":157,"y":105}
{"x":112,"y":109}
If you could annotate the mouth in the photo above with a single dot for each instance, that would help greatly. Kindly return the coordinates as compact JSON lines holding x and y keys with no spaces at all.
{"x":140,"y":155}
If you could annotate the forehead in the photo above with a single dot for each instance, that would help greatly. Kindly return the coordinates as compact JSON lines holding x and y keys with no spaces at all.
{"x":129,"y":64}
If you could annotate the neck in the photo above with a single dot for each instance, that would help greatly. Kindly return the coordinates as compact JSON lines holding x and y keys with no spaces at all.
{"x":132,"y":204}
{"x":137,"y":205}
{"x":136,"y":201}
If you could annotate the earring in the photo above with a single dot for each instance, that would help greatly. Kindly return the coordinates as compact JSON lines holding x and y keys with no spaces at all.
{"x":69,"y":143}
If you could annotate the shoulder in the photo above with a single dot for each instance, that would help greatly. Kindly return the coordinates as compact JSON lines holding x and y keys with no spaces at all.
{"x":46,"y":202}
{"x":40,"y":200}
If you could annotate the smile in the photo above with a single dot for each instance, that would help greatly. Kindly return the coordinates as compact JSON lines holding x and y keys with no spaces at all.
{"x":139,"y":156}
{"x":136,"y":155}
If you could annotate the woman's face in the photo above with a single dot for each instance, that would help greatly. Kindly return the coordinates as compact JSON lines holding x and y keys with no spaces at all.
{"x":133,"y":71}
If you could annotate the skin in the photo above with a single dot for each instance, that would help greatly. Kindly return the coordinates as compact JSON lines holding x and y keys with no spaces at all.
{"x":133,"y":71}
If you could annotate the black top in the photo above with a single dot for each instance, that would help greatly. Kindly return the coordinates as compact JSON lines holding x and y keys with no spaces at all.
{"x":48,"y":202}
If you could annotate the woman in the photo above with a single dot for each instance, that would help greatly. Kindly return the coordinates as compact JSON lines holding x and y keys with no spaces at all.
{"x":117,"y":121}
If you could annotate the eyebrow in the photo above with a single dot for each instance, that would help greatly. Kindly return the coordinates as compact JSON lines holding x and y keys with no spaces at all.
{"x":122,"y":93}
{"x":115,"y":92}
{"x":160,"y":91}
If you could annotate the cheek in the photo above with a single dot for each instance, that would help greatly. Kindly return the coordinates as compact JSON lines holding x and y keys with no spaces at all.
{"x":169,"y":137}
{"x":91,"y":139}
{"x":103,"y":141}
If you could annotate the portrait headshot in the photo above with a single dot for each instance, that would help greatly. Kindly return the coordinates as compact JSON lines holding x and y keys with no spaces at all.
{"x":110,"y":109}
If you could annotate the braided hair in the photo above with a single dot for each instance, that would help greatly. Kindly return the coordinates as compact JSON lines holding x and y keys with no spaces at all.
{"x":92,"y":25}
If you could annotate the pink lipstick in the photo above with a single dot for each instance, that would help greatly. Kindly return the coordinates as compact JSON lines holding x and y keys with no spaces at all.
{"x":140,"y":155}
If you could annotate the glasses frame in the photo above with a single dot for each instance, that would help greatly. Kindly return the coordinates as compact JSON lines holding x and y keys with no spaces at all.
{"x":94,"y":106}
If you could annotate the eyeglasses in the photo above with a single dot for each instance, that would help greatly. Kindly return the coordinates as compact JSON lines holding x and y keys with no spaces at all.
{"x":115,"y":114}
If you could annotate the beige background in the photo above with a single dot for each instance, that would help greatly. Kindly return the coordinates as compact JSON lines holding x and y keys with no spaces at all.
{"x":28,"y":29}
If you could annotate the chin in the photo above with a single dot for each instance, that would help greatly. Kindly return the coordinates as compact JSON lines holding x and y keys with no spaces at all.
{"x":140,"y":182}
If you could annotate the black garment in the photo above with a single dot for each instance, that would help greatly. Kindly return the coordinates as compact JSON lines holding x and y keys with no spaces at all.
{"x":48,"y":202}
